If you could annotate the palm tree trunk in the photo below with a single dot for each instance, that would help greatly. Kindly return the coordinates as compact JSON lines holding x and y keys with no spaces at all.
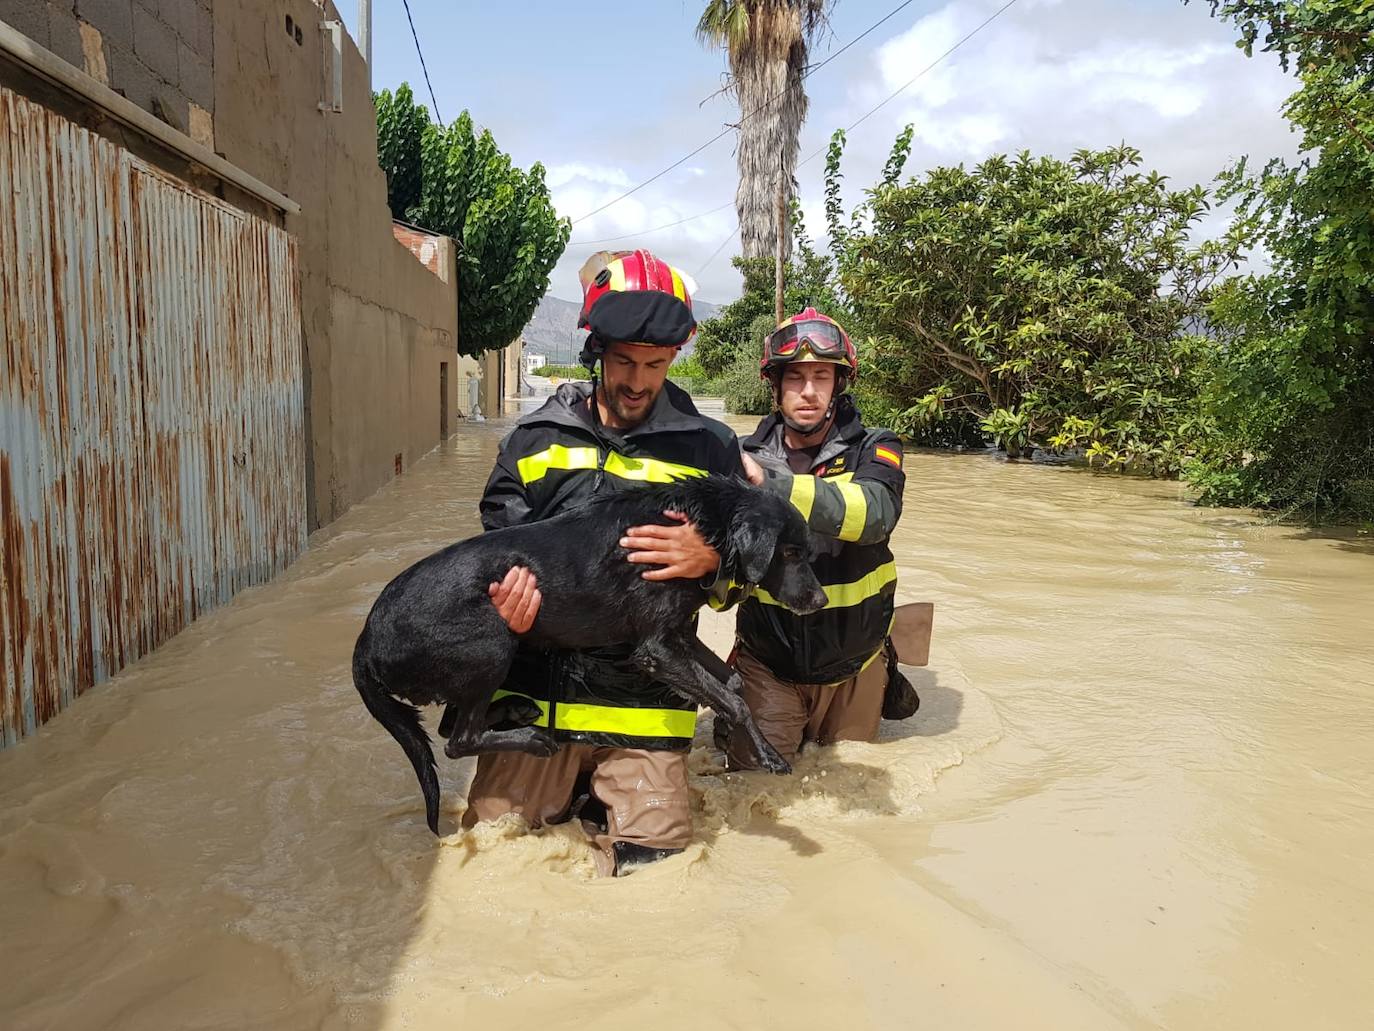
{"x":773,"y":107}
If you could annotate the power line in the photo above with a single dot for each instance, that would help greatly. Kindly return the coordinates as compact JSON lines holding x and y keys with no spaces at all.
{"x":895,"y":11}
{"x":910,"y":82}
{"x":415,"y":36}
{"x":873,"y":110}
{"x":729,"y":129}
{"x":645,"y":232}
{"x":715,"y":253}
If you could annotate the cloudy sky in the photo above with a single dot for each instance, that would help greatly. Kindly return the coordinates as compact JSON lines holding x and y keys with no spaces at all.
{"x":607,"y":95}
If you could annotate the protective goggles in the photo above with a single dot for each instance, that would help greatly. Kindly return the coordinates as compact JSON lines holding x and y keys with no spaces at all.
{"x":823,"y":339}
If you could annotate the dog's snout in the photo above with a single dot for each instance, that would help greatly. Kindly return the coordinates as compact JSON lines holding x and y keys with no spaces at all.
{"x":805,"y":597}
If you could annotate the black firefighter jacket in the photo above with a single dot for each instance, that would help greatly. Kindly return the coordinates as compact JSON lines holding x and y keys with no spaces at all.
{"x":851,"y":500}
{"x":554,"y":459}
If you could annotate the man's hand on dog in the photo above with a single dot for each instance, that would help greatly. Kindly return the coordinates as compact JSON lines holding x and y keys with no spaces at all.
{"x":680,"y":550}
{"x":516,"y":599}
{"x":752,"y":469}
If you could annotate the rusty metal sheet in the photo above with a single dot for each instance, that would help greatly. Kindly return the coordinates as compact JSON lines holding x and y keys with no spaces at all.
{"x":151,"y":408}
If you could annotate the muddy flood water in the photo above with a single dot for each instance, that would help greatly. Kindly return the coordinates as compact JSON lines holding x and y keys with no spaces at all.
{"x":1139,"y":793}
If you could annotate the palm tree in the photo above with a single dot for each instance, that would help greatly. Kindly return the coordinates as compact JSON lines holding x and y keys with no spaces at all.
{"x":766,"y":41}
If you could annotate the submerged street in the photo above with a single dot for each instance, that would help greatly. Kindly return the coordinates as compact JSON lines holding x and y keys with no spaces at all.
{"x":1137,"y":794}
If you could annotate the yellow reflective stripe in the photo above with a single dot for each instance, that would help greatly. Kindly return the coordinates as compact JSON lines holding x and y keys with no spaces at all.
{"x":679,"y":287}
{"x":650,"y":470}
{"x":803,"y":495}
{"x":869,"y":661}
{"x":839,"y":478}
{"x":556,"y":456}
{"x":617,"y":271}
{"x":855,"y":511}
{"x":543,"y":720}
{"x":609,"y":719}
{"x":843,"y":596}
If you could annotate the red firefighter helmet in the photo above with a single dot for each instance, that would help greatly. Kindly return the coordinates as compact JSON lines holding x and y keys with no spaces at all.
{"x":809,"y":336}
{"x":634,"y":297}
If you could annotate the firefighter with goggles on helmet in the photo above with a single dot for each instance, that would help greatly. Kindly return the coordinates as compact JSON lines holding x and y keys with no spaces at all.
{"x":622,"y":767}
{"x":831,"y":675}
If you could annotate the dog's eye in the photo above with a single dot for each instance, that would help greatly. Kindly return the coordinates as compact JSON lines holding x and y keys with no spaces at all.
{"x":791,"y":552}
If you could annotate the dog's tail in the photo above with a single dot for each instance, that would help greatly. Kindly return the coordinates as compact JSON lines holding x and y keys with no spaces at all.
{"x":402,"y":721}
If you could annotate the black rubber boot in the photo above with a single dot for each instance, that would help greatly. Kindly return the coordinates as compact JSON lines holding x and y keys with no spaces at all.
{"x":629,"y":857}
{"x":900,"y":699}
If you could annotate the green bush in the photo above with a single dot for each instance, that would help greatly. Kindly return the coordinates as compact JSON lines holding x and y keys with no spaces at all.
{"x":1291,"y":388}
{"x":689,"y":375}
{"x":563,"y":371}
{"x":744,"y":392}
{"x":1048,"y":303}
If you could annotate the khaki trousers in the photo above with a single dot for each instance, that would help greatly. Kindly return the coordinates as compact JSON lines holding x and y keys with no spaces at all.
{"x":644,"y":792}
{"x":789,"y":714}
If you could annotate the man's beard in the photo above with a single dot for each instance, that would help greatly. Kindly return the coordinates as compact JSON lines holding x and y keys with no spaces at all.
{"x":630,"y":417}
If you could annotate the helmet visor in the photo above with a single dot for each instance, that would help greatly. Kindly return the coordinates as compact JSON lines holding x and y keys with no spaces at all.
{"x":823,"y":339}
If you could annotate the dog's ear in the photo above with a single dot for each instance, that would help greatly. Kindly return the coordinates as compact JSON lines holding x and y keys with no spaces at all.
{"x":752,"y":540}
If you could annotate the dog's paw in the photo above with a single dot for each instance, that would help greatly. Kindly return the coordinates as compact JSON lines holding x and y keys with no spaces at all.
{"x":524,"y":712}
{"x":541,"y":744}
{"x":770,"y":760}
{"x":512,"y":713}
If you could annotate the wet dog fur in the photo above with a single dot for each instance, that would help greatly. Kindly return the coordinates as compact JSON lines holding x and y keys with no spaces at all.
{"x":434,"y":637}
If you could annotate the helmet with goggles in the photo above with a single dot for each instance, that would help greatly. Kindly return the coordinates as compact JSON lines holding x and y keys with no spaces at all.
{"x":809,"y":336}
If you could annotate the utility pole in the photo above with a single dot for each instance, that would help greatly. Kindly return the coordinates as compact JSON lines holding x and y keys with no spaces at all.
{"x":778,"y":251}
{"x":365,"y":37}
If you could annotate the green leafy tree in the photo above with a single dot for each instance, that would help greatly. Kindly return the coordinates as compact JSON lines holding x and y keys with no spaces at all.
{"x":1292,"y":389}
{"x":400,"y":128}
{"x":457,"y":182}
{"x":1053,"y":301}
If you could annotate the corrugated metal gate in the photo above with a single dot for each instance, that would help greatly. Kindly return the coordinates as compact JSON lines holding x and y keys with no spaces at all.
{"x":151,"y":408}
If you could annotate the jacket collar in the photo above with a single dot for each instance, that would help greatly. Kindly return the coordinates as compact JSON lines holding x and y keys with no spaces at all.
{"x":570,"y":408}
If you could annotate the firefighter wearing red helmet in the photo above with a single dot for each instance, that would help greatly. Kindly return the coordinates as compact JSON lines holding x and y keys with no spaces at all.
{"x":824,"y":677}
{"x":623,"y":766}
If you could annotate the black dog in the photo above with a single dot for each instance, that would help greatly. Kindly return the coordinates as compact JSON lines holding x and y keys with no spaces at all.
{"x":433,"y":635}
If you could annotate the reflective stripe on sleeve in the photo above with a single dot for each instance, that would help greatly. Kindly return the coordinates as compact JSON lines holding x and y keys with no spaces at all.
{"x":841,"y":596}
{"x":855,"y":511}
{"x":803,"y":496}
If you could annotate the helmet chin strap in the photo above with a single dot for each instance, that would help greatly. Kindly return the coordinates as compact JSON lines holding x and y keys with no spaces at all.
{"x":798,"y":428}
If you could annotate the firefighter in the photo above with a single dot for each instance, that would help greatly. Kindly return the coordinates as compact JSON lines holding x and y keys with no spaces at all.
{"x":622,"y":767}
{"x":823,"y":677}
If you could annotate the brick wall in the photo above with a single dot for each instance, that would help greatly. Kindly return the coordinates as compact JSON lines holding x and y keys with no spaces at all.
{"x":432,"y":251}
{"x":160,"y":54}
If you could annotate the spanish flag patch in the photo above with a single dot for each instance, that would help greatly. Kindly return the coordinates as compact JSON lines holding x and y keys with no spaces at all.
{"x":886,"y":454}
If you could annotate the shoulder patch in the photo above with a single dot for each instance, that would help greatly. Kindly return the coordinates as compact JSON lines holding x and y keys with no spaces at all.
{"x":889,"y":453}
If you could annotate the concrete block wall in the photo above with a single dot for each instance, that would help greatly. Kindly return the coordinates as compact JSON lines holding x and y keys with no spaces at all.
{"x":379,"y":328}
{"x":160,"y":54}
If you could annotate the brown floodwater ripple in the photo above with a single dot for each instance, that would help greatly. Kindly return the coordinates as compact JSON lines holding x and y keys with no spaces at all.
{"x":1139,"y":793}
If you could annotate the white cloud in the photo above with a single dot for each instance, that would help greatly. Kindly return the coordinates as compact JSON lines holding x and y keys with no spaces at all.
{"x":1053,"y":77}
{"x":1049,"y":76}
{"x":572,"y":171}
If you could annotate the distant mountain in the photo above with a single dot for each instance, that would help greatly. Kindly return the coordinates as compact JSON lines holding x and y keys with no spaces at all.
{"x":553,"y":332}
